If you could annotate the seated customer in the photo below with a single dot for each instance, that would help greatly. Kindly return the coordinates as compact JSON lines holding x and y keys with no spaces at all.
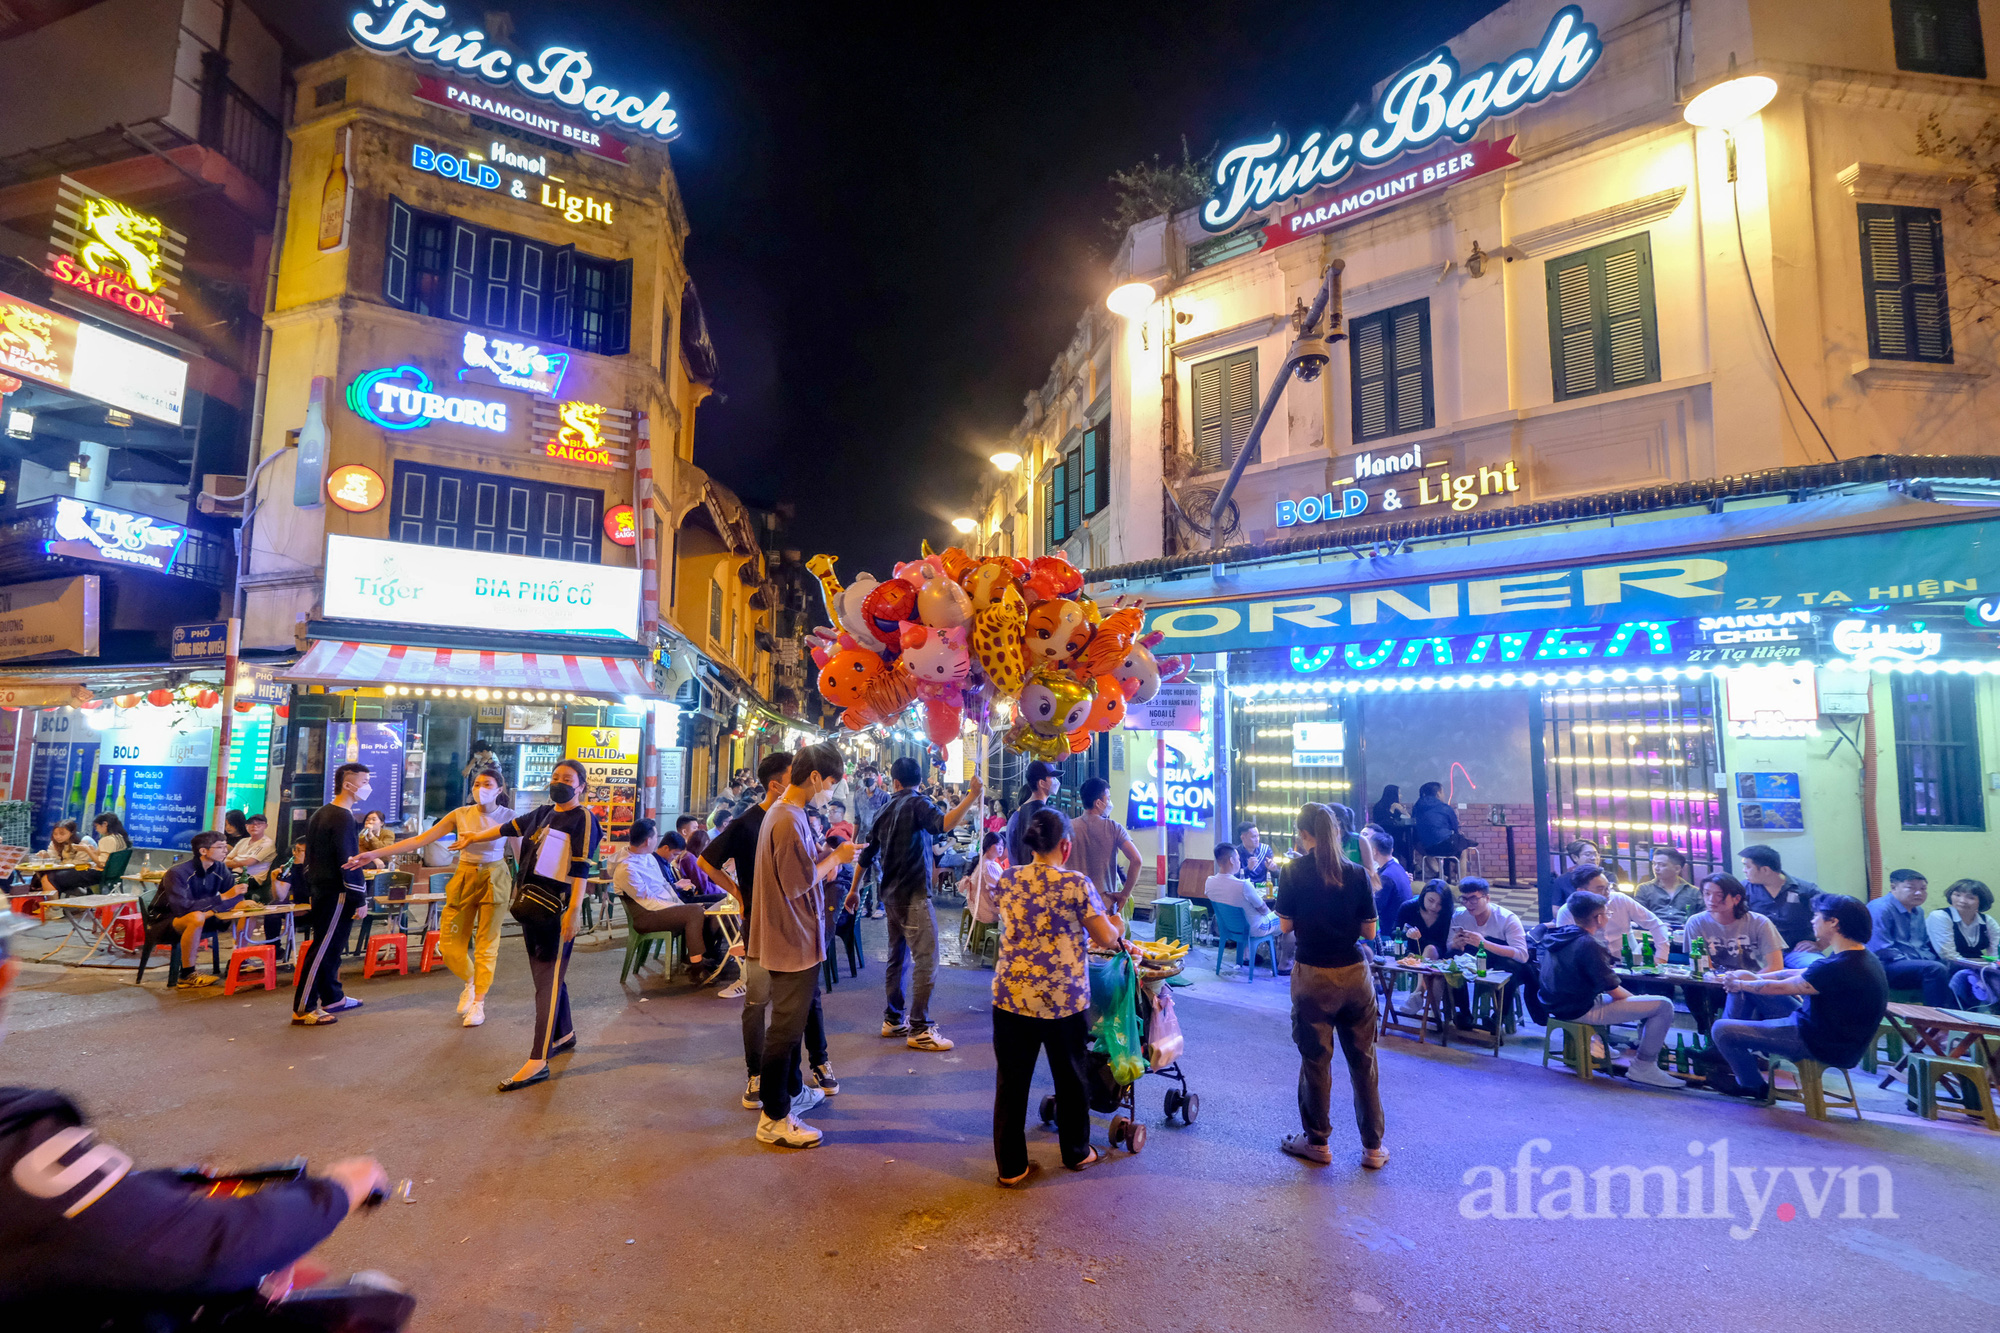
{"x":1577,"y":979}
{"x":1966,"y":938}
{"x":682,"y":871}
{"x":111,"y":839}
{"x":1425,"y":923}
{"x":1845,"y":993}
{"x":981,"y":886}
{"x":1903,"y":946}
{"x":1668,"y":895}
{"x":190,"y":893}
{"x":251,"y":858}
{"x":1622,"y":912}
{"x":1787,"y":901}
{"x":1378,"y":853}
{"x":651,"y":904}
{"x":1480,"y":923}
{"x":1734,"y":939}
{"x":1227,"y":887}
{"x":67,"y":849}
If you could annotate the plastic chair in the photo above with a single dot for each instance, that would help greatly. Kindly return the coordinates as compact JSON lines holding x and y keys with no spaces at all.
{"x":397,"y":943}
{"x":433,"y":951}
{"x":164,"y":933}
{"x":1575,"y":1050}
{"x":639,"y":948}
{"x":1232,"y":924}
{"x":1974,"y":1099}
{"x":1811,"y":1091}
{"x":267,"y":952}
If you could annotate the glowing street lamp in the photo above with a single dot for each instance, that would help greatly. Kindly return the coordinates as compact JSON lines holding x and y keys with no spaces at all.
{"x":1729,"y":105}
{"x":1130,"y":299}
{"x":963,"y":524}
{"x":1006,"y":461}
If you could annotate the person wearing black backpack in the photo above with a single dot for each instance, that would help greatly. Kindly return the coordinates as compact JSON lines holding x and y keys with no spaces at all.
{"x":547,"y":897}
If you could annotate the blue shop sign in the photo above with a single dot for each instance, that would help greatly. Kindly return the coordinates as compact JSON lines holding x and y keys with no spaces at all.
{"x":201,"y":643}
{"x":1497,"y":589}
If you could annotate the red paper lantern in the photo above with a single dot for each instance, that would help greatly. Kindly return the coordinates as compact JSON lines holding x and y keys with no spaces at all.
{"x":245,"y":705}
{"x":128,"y":701}
{"x":207,"y":699}
{"x":161,"y":698}
{"x":89,"y":704}
{"x":282,"y":710}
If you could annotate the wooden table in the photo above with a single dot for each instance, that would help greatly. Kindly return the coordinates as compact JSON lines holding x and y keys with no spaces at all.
{"x":1951,"y":1033}
{"x":1386,"y":971}
{"x":251,"y":911}
{"x":84,"y":920}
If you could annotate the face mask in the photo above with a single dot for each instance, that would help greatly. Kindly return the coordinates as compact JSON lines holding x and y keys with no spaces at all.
{"x":364,"y":791}
{"x":561,"y":792}
{"x":485,"y":795}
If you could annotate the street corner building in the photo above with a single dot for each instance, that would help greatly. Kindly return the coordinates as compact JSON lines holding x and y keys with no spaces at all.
{"x":349,"y":413}
{"x":1636,"y":488}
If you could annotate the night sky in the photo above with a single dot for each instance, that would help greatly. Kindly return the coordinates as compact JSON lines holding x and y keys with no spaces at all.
{"x":898,"y":214}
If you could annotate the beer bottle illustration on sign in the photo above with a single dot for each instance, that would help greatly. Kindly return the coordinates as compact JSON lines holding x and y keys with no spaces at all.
{"x":333,"y":201}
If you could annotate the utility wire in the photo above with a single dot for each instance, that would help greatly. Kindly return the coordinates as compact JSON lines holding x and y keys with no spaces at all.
{"x":1742,"y":253}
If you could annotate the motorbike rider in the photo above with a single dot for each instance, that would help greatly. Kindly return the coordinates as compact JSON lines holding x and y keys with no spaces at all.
{"x":81,"y":1228}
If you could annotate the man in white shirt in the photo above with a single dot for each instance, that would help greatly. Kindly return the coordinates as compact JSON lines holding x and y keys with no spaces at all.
{"x":651,"y":904}
{"x":1480,"y":923}
{"x":478,"y":892}
{"x":1226,"y":886}
{"x":1622,"y":913}
{"x":253,"y":856}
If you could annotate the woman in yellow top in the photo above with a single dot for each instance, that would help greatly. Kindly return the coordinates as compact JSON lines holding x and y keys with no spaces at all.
{"x":1049,"y":917}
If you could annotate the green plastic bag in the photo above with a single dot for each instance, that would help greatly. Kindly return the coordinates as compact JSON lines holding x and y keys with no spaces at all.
{"x":1114,"y":1016}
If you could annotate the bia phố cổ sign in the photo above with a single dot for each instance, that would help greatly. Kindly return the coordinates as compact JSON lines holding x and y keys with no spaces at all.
{"x":1430,"y":101}
{"x":400,"y":583}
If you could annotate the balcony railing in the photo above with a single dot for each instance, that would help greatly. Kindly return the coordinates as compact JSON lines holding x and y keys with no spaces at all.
{"x":235,"y":126}
{"x":24,"y":555}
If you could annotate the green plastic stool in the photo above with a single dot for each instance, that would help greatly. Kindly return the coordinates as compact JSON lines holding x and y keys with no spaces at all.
{"x":638,"y":948}
{"x":1975,"y":1099}
{"x":1575,"y":1052}
{"x":1811,"y":1091}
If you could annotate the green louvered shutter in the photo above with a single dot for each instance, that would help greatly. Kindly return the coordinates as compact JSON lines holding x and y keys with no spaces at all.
{"x":1903,"y":283}
{"x":1603,"y":333}
{"x":1390,"y":357}
{"x":1225,"y":408}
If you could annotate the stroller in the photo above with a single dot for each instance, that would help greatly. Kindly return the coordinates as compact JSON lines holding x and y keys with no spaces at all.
{"x":1147,"y":1003}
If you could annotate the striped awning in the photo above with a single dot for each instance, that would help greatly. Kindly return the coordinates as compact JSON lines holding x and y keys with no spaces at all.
{"x":341,"y":662}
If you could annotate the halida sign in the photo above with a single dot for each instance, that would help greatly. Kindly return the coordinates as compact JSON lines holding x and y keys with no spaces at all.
{"x":1430,"y":100}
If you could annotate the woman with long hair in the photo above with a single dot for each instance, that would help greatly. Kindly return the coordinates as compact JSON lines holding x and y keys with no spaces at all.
{"x":1390,"y":815}
{"x":1328,"y":902}
{"x":1049,"y":917}
{"x":89,"y":861}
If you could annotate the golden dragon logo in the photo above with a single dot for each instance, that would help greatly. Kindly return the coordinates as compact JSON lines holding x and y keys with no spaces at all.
{"x":27,"y":335}
{"x":582,"y":426}
{"x":124,"y":239}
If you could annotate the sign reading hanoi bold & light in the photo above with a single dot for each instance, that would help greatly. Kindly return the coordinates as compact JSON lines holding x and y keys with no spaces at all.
{"x":1465,"y":491}
{"x":402,"y":583}
{"x":559,"y":74}
{"x":1429,"y":101}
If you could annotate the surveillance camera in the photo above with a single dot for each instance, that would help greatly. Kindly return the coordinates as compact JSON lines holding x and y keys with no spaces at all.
{"x":1309,"y":356}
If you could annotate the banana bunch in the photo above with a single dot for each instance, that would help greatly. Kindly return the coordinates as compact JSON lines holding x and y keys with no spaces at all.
{"x":1158,"y":952}
{"x":1128,"y":1069}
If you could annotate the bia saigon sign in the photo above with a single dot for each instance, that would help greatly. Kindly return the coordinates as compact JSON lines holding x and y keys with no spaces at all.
{"x":1430,"y":101}
{"x":560,"y":74}
{"x":115,"y":253}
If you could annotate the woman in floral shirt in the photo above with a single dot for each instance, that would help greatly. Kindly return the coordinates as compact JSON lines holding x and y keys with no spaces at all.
{"x":1049,"y":916}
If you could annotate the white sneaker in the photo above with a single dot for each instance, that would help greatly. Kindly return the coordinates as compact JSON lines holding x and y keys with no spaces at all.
{"x":808,"y":1098}
{"x":1375,"y":1158}
{"x":735,"y":992}
{"x":1648,"y":1074}
{"x":752,"y":1095}
{"x":466,"y":1000}
{"x":928,"y":1038}
{"x":791,"y":1132}
{"x":475,"y":1014}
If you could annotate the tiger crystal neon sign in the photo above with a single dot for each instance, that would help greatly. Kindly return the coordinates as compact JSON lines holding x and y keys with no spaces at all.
{"x":561,"y":74}
{"x":1429,"y":101}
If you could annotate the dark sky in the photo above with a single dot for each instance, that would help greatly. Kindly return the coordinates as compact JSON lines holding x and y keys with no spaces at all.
{"x":897,"y":209}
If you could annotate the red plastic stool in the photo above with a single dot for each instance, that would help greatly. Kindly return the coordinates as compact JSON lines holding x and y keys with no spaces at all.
{"x":267,"y":952}
{"x":376,"y":947}
{"x":433,"y":950}
{"x":129,"y":932}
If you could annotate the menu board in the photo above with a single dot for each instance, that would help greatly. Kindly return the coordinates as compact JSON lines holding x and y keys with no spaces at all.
{"x":156,"y":782}
{"x":64,"y":758}
{"x":610,"y":756}
{"x":379,"y":745}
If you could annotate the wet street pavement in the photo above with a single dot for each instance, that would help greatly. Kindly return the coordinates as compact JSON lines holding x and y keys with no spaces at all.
{"x":629,"y":1193}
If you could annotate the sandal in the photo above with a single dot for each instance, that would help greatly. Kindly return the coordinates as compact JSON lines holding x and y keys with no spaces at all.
{"x":1016,"y":1182}
{"x":1090,"y":1161}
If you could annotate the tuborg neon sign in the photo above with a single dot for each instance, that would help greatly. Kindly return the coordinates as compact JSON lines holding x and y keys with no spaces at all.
{"x":403,"y":398}
{"x":561,"y":74}
{"x":1429,"y":101}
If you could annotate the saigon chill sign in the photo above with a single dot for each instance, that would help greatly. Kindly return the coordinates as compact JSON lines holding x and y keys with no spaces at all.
{"x":1430,"y":101}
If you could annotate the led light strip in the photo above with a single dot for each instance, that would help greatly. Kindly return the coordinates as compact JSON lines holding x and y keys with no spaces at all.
{"x":1467,"y":681}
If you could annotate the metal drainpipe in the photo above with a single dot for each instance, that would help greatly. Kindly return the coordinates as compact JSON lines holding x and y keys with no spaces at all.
{"x":1329,"y":291}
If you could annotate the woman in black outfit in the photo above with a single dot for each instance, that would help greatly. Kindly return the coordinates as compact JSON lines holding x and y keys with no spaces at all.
{"x":1328,"y":902}
{"x":1424,"y":923}
{"x":546,"y":906}
{"x":1389,"y":815}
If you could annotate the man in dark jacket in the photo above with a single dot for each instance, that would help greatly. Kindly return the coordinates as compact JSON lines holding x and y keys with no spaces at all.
{"x":1434,"y":821}
{"x":82,"y":1233}
{"x":190,"y":893}
{"x":1770,"y":892}
{"x":1577,"y":977}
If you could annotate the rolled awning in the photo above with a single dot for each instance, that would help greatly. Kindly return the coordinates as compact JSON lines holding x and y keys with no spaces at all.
{"x":342,"y":662}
